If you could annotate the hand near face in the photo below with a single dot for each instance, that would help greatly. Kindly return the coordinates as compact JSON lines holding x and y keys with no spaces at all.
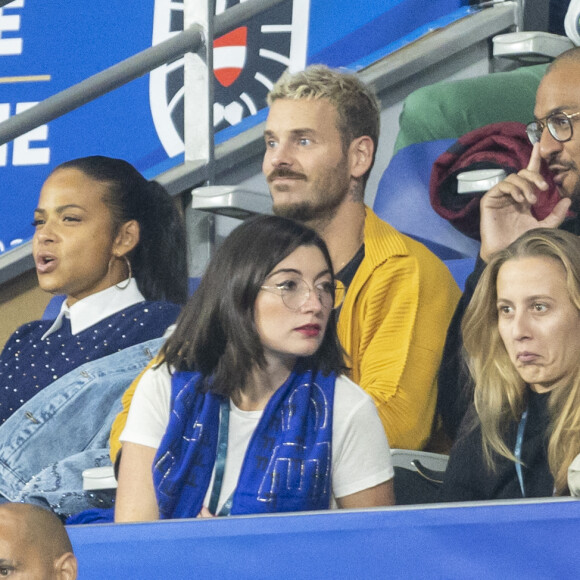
{"x":506,"y":208}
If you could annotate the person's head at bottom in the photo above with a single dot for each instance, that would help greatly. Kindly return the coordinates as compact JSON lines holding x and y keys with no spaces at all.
{"x":34,"y":544}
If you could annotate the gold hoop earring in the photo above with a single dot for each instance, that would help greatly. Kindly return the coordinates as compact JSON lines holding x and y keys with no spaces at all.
{"x":130,"y":270}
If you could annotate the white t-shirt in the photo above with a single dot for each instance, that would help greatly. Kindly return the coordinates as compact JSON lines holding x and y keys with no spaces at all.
{"x":361,"y":457}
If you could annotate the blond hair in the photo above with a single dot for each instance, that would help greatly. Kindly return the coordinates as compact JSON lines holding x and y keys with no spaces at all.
{"x":357,"y":107}
{"x":500,"y":393}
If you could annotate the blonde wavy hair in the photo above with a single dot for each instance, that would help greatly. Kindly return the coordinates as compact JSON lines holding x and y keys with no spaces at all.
{"x":500,"y":392}
{"x":356,"y":105}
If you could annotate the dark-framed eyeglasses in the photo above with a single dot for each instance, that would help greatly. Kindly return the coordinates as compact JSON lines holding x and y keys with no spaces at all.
{"x":295,"y":291}
{"x":559,"y":125}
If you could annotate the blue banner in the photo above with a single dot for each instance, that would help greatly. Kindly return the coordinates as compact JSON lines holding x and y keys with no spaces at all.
{"x":46,"y":47}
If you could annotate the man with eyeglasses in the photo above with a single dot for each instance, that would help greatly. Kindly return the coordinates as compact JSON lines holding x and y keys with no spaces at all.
{"x":506,"y":210}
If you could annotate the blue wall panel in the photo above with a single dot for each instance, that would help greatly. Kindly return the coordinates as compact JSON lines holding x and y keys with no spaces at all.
{"x":46,"y":47}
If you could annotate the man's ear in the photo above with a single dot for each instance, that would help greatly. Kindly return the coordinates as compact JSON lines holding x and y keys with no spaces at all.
{"x":66,"y":567}
{"x":361,"y":155}
{"x":127,"y":238}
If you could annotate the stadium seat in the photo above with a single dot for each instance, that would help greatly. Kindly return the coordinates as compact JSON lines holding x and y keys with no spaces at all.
{"x":460,"y":269}
{"x":402,"y":200}
{"x":433,"y":118}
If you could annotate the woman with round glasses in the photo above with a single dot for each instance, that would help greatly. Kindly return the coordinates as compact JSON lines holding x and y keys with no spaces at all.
{"x":248,"y":412}
{"x":295,"y":291}
{"x":521,"y":334}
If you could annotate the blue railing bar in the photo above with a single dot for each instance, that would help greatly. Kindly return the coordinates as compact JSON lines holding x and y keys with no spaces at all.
{"x":101,"y":83}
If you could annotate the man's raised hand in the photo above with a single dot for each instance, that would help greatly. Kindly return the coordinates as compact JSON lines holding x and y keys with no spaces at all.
{"x":506,"y":209}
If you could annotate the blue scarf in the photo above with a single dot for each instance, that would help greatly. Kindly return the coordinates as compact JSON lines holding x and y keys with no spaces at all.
{"x":287,"y":466}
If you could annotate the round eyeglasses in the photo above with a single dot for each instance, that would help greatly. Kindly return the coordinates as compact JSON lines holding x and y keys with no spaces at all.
{"x":296,"y":291}
{"x":559,"y":125}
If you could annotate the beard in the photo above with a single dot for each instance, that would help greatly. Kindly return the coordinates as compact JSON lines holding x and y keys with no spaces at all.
{"x":321,"y":207}
{"x":315,"y":196}
{"x":572,"y":169}
{"x":575,"y":197}
{"x":306,"y":212}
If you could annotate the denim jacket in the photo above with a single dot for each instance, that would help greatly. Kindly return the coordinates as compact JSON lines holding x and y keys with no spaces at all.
{"x":64,"y":429}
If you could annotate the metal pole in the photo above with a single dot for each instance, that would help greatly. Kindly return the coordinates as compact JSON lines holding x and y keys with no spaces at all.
{"x":520,"y":15}
{"x":100,"y":84}
{"x":198,"y":82}
{"x":210,"y":93}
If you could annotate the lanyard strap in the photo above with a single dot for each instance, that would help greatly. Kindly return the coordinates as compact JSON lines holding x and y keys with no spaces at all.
{"x":227,"y":507}
{"x":518,"y":450}
{"x":220,"y":462}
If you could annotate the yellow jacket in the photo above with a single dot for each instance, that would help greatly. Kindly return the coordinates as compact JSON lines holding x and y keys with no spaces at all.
{"x":393,"y":324}
{"x":121,"y":418}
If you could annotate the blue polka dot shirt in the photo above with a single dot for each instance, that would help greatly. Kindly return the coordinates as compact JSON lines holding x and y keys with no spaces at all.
{"x":29,"y":363}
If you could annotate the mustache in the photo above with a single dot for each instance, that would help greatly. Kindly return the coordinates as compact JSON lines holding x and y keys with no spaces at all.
{"x":555,"y":160}
{"x":285,"y":173}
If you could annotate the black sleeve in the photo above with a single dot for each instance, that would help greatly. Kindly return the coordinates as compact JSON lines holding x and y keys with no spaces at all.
{"x":465,"y":475}
{"x":454,"y":381}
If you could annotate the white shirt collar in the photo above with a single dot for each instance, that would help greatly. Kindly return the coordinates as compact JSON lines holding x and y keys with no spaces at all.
{"x":94,"y":308}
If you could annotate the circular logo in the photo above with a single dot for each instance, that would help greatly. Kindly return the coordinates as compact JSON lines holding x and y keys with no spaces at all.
{"x":247,"y":62}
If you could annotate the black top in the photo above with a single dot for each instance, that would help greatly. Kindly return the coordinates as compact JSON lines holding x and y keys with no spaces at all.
{"x":454,"y":381}
{"x":468,"y":478}
{"x":347,"y":273}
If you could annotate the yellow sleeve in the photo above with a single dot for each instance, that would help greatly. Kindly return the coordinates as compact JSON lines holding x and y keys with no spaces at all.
{"x":395,"y":337}
{"x":121,"y":418}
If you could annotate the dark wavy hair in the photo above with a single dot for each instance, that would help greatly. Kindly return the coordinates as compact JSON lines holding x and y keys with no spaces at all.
{"x":216,"y":334}
{"x":159,"y":261}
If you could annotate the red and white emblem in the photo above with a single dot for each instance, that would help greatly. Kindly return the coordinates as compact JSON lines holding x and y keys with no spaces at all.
{"x":247,"y":61}
{"x":229,"y":55}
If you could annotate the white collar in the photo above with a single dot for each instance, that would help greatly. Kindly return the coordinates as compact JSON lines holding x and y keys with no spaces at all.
{"x":94,"y":308}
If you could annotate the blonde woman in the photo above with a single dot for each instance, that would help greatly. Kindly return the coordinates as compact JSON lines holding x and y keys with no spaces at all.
{"x":522,"y":341}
